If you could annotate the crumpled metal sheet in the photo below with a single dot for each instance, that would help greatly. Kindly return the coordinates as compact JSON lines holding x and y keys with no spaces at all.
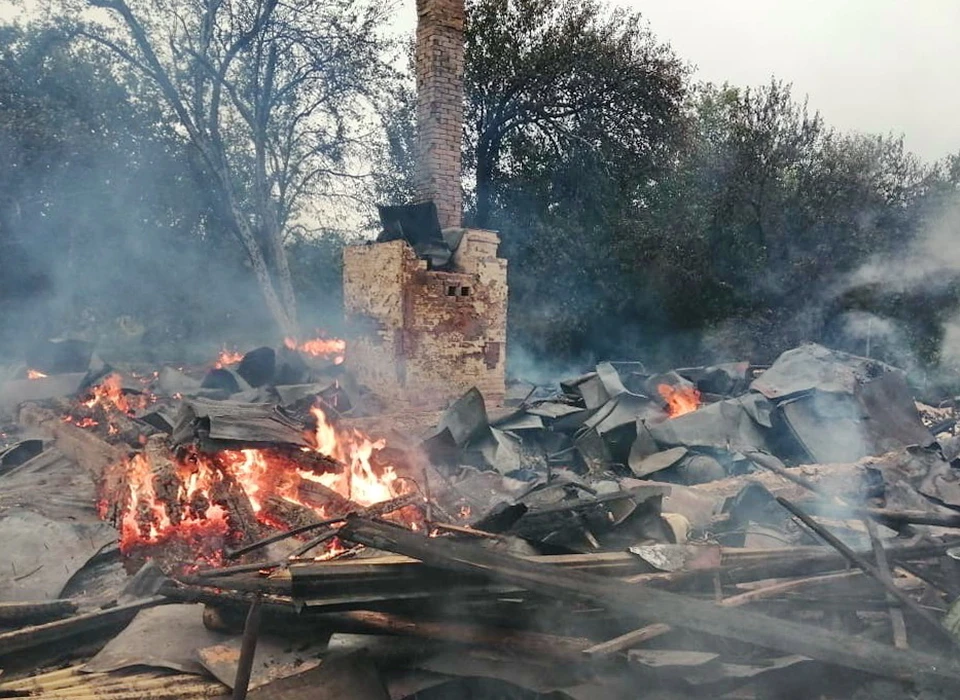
{"x":828,"y":426}
{"x":41,"y":555}
{"x":658,"y":461}
{"x":274,"y":659}
{"x":589,"y":387}
{"x":879,"y":416}
{"x":610,"y":378}
{"x":813,"y":366}
{"x":724,"y":425}
{"x":727,"y":379}
{"x":167,"y":636}
{"x":53,"y":485}
{"x":225,"y":423}
{"x":466,"y":418}
{"x":554,"y":409}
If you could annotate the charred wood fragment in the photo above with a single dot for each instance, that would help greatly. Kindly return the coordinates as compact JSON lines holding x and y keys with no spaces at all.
{"x":16,"y":614}
{"x":668,"y":608}
{"x":241,"y":518}
{"x":293,"y":515}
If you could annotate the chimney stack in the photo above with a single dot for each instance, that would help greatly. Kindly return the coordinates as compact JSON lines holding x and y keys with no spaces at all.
{"x":439,"y":66}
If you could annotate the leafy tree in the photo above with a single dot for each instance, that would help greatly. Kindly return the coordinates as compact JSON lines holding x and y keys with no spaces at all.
{"x":556,"y":75}
{"x":98,"y":215}
{"x":270,"y":95}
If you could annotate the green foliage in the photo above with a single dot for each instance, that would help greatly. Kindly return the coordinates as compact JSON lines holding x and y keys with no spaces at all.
{"x":645,"y":217}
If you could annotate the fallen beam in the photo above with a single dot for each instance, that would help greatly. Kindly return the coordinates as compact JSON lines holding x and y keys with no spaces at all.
{"x":507,"y":640}
{"x":661,"y":606}
{"x":37,"y":635}
{"x":16,"y":614}
{"x":83,"y":447}
{"x":871,"y":571}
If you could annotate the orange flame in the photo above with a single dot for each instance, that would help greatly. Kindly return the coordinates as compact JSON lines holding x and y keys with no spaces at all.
{"x":109,"y":394}
{"x":333,"y":348}
{"x":148,"y":520}
{"x":680,"y":400}
{"x":86,"y":422}
{"x":360,"y":483}
{"x":228,"y":358}
{"x":35,"y":374}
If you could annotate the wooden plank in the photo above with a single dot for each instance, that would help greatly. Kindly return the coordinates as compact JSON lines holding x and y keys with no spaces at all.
{"x":83,"y":447}
{"x":871,"y":571}
{"x":645,"y":634}
{"x":655,"y":605}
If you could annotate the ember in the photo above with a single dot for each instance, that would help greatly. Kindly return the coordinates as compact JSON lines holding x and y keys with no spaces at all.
{"x":228,"y":358}
{"x":85,"y":422}
{"x":680,"y":400}
{"x":109,"y":393}
{"x":35,"y":374}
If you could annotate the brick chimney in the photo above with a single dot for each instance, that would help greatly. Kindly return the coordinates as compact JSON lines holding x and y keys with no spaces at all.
{"x":439,"y":65}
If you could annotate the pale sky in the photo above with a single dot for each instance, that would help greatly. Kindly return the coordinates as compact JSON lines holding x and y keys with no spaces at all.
{"x":877,"y":66}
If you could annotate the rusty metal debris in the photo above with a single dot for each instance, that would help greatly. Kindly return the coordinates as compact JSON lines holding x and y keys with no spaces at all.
{"x":620,"y":515}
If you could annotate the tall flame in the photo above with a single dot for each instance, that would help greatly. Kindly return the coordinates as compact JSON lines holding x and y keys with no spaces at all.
{"x":148,"y":519}
{"x":333,"y":348}
{"x":361,"y":484}
{"x":680,"y":399}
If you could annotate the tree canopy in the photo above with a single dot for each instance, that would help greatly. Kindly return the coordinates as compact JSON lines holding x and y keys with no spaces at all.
{"x":270,"y":95}
{"x":178,"y":148}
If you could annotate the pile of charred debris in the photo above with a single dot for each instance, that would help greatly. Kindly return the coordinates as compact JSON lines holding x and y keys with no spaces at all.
{"x":256,"y":528}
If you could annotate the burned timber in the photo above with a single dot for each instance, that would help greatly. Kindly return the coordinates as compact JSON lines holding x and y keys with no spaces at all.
{"x":716,"y":531}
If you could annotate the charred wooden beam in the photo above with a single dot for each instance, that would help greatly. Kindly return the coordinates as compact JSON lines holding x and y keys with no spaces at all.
{"x":669,"y":608}
{"x":93,"y":454}
{"x":521,"y":642}
{"x":230,"y":495}
{"x":166,"y":481}
{"x":377,"y":509}
{"x":16,"y":614}
{"x":645,"y":634}
{"x":319,"y":496}
{"x":292,"y":515}
{"x":870,"y":570}
{"x":37,"y":635}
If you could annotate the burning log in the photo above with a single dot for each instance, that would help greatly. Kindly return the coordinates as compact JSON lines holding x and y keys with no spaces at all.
{"x":229,"y":495}
{"x":291,"y":515}
{"x":166,"y":482}
{"x":86,"y":449}
{"x":319,"y":496}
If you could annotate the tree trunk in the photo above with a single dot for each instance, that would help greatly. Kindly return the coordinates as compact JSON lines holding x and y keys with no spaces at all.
{"x":284,"y":316}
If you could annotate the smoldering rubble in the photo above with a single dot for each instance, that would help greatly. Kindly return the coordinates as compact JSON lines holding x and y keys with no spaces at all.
{"x":263,"y":525}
